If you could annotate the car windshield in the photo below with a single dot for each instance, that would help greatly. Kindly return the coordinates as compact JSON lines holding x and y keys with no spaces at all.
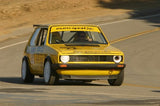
{"x":76,"y":37}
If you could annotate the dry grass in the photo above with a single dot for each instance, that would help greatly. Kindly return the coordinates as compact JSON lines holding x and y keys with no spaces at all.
{"x":18,"y":13}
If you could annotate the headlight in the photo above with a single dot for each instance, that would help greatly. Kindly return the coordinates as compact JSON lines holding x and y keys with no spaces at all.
{"x":64,"y":59}
{"x":117,"y":59}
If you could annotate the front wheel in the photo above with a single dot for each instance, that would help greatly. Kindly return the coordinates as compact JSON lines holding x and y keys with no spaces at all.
{"x":26,"y":75}
{"x":50,"y":77}
{"x":118,"y":81}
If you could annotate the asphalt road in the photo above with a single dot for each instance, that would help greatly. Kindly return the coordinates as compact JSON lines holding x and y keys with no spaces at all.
{"x":141,"y":85}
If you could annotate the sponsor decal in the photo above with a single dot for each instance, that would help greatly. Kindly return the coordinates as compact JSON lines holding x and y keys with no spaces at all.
{"x":74,"y":28}
{"x":90,"y":52}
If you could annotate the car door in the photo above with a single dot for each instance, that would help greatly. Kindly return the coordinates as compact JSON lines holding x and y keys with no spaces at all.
{"x":31,"y":49}
{"x":40,"y":54}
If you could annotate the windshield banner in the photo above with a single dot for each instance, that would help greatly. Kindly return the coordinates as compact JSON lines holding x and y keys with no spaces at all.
{"x":75,"y":28}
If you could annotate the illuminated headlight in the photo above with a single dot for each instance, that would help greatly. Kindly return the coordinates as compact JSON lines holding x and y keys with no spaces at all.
{"x":117,"y":59}
{"x":64,"y":59}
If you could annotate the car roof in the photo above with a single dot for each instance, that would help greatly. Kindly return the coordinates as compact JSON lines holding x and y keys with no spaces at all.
{"x":46,"y":26}
{"x":74,"y":25}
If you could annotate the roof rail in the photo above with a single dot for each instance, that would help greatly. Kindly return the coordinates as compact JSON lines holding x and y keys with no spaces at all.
{"x":39,"y":25}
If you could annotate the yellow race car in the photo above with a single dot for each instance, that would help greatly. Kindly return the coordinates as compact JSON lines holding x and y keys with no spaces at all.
{"x":71,"y":52}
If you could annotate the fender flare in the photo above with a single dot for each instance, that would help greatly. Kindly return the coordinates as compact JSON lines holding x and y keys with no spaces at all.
{"x":48,"y":58}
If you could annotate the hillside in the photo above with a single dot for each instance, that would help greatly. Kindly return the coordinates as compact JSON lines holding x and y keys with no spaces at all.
{"x":19,"y":13}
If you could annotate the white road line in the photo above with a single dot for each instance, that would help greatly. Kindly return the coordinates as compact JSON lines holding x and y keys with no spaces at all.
{"x":98,"y":24}
{"x":13,"y":44}
{"x":109,"y":23}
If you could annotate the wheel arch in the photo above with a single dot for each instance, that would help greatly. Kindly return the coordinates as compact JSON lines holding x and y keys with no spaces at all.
{"x":48,"y":58}
{"x":25,"y":58}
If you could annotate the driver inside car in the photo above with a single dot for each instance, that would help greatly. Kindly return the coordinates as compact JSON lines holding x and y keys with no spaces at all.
{"x":81,"y":37}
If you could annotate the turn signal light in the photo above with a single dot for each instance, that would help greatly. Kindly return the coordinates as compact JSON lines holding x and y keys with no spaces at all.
{"x":120,"y":65}
{"x":63,"y":65}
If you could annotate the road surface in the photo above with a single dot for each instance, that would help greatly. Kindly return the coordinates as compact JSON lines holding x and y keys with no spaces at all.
{"x":138,"y":38}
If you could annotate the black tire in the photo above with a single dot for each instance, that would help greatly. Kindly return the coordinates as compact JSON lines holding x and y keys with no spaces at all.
{"x":26,"y":75}
{"x":50,"y":76}
{"x":118,"y":81}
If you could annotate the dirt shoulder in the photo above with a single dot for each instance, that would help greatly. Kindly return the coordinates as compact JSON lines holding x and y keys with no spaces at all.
{"x":19,"y":14}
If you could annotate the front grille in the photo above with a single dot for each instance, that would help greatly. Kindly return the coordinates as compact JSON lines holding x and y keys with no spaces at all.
{"x":92,"y":58}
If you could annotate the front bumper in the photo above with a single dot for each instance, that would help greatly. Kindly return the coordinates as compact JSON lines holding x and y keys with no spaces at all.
{"x":89,"y":77}
{"x":88,"y":66}
{"x":89,"y":71}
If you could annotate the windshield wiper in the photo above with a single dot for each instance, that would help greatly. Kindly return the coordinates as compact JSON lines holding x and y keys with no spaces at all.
{"x":81,"y":44}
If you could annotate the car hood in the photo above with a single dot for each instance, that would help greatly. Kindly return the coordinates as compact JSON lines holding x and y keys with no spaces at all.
{"x":100,"y":49}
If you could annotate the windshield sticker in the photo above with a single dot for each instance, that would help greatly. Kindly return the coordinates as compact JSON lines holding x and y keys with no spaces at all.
{"x":74,"y":28}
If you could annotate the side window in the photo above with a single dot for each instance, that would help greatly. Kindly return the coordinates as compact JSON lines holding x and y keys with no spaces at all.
{"x":42,"y":36}
{"x":34,"y":36}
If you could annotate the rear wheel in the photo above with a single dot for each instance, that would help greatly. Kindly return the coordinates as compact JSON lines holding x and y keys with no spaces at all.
{"x":118,"y":81}
{"x":50,"y":77}
{"x":26,"y":75}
